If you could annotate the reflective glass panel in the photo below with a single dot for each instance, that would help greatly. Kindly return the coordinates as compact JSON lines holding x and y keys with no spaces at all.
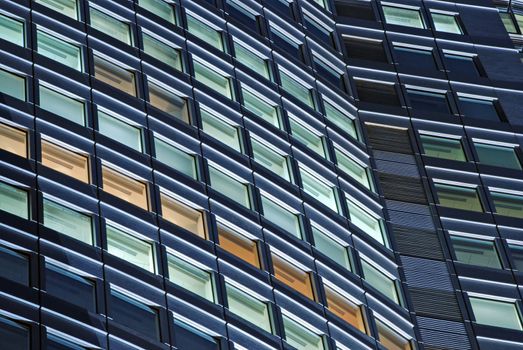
{"x":14,"y":200}
{"x":300,"y":337}
{"x":496,"y":313}
{"x":64,"y":106}
{"x":403,"y":16}
{"x":13,"y":140}
{"x":442,"y":147}
{"x":501,"y":156}
{"x":183,"y":215}
{"x":190,"y":277}
{"x":381,"y":282}
{"x":508,"y":204}
{"x":65,"y":161}
{"x":248,"y":307}
{"x":120,"y":131}
{"x":12,"y":30}
{"x":281,"y":216}
{"x":130,"y":248}
{"x":12,"y":84}
{"x":59,"y":50}
{"x":446,"y":23}
{"x":111,"y":26}
{"x":66,"y":7}
{"x":68,"y":221}
{"x":475,"y":251}
{"x":466,"y":198}
{"x":175,"y":158}
{"x":229,"y":187}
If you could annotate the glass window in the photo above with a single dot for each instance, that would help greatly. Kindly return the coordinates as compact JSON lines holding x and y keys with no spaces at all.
{"x":446,"y":23}
{"x":508,"y":21}
{"x":475,"y":251}
{"x":130,"y":248}
{"x":341,"y":119}
{"x":190,"y":277}
{"x":248,"y":58}
{"x":59,"y":50}
{"x":261,"y":108}
{"x":12,"y":30}
{"x":297,"y":89}
{"x":14,"y":266}
{"x":176,"y":158}
{"x":344,"y":308}
{"x":292,"y":276}
{"x":410,"y":17}
{"x":516,"y":252}
{"x":229,"y":187}
{"x":120,"y":131}
{"x":332,"y":74}
{"x":391,"y":339}
{"x":248,"y":307}
{"x":466,"y":198}
{"x":188,"y":337}
{"x":239,"y":245}
{"x":134,"y":314}
{"x":160,"y":8}
{"x":205,"y":32}
{"x":221,"y":130}
{"x":125,"y":187}
{"x":111,"y":26}
{"x":281,"y":216}
{"x":478,"y":108}
{"x":14,"y":200}
{"x":465,"y":65}
{"x":331,"y":248}
{"x":373,"y":92}
{"x":355,"y":9}
{"x":300,"y":337}
{"x":307,"y":137}
{"x":366,"y":222}
{"x":380,"y":281}
{"x":70,"y":287}
{"x":365,"y":49}
{"x":183,"y":215}
{"x":313,"y":186}
{"x":354,"y":169}
{"x":272,"y":160}
{"x":67,"y":221}
{"x":212,"y":79}
{"x":114,"y":75}
{"x":55,"y":342}
{"x":415,"y":58}
{"x":162,"y":52}
{"x":14,"y":335}
{"x":65,"y":161}
{"x":496,"y":313}
{"x":319,"y":28}
{"x":284,"y":41}
{"x":13,"y":140}
{"x":66,"y":7}
{"x":443,"y":147}
{"x":168,"y":102}
{"x":12,"y":84}
{"x":501,"y":156}
{"x":508,"y":204}
{"x":64,"y":106}
{"x":428,"y":101}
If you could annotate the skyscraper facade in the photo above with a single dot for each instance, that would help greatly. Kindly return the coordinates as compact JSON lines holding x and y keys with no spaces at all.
{"x":261,"y":174}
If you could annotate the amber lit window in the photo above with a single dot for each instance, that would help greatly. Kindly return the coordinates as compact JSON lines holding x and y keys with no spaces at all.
{"x":391,"y":339}
{"x":13,"y":140}
{"x":344,"y":308}
{"x":183,"y":215}
{"x":239,"y":245}
{"x":292,"y":276}
{"x":114,"y":75}
{"x":125,"y":188}
{"x":65,"y":161}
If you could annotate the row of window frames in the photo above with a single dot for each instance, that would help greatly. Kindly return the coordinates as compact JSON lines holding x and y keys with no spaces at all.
{"x":82,"y":292}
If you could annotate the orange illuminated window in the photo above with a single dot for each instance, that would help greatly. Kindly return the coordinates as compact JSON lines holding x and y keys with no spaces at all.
{"x":292,"y":276}
{"x":391,"y":339}
{"x":124,"y":187}
{"x":239,"y":245}
{"x":183,"y":215}
{"x":13,"y":140}
{"x":65,"y":161}
{"x":344,"y":308}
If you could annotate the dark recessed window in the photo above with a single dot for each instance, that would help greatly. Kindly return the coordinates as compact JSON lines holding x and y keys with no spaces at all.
{"x":55,"y":342}
{"x":365,"y":49}
{"x":187,"y":337}
{"x":330,"y":73}
{"x":355,"y":9}
{"x":286,"y":43}
{"x":374,"y":92}
{"x":429,"y":101}
{"x":237,"y":10}
{"x":13,"y":335}
{"x":414,"y":58}
{"x":516,"y":252}
{"x":485,"y":109}
{"x":14,"y":266}
{"x":321,"y":30}
{"x":465,"y":65}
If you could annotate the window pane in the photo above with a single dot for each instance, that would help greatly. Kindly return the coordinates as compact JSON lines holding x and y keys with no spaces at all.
{"x":13,"y":140}
{"x":68,"y":221}
{"x":508,"y":204}
{"x":131,"y":249}
{"x":168,"y":102}
{"x":462,"y":65}
{"x":496,"y":313}
{"x":120,"y":131}
{"x":238,"y":245}
{"x":212,"y":79}
{"x":319,"y":190}
{"x":379,"y":281}
{"x":331,"y":248}
{"x":410,"y":58}
{"x":292,"y":276}
{"x":160,"y":8}
{"x":64,"y":106}
{"x":175,"y":158}
{"x":110,"y":25}
{"x":296,"y":89}
{"x":340,"y":119}
{"x":497,"y":155}
{"x":134,"y":314}
{"x":516,"y":252}
{"x":248,"y":308}
{"x":403,"y":17}
{"x":58,"y":343}
{"x":182,"y":215}
{"x":162,"y":51}
{"x":190,"y":277}
{"x":281,"y":217}
{"x":125,"y":187}
{"x":229,"y":187}
{"x":12,"y":30}
{"x":390,"y":339}
{"x":66,"y":7}
{"x":344,"y":308}
{"x":353,"y":169}
{"x":14,"y":266}
{"x":442,"y":147}
{"x":70,"y":287}
{"x":300,"y":337}
{"x":270,"y":159}
{"x":251,"y":60}
{"x":304,"y":135}
{"x":221,"y":130}
{"x":261,"y":108}
{"x":372,"y":92}
{"x":59,"y":50}
{"x":12,"y":84}
{"x":14,"y":200}
{"x":13,"y":335}
{"x":508,"y":22}
{"x":365,"y":49}
{"x":366,"y":222}
{"x":458,"y":197}
{"x":204,"y":32}
{"x":188,"y":337}
{"x":114,"y":75}
{"x":446,"y":23}
{"x":428,"y":101}
{"x":475,"y":251}
{"x":355,"y":9}
{"x":478,"y":108}
{"x":65,"y":161}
